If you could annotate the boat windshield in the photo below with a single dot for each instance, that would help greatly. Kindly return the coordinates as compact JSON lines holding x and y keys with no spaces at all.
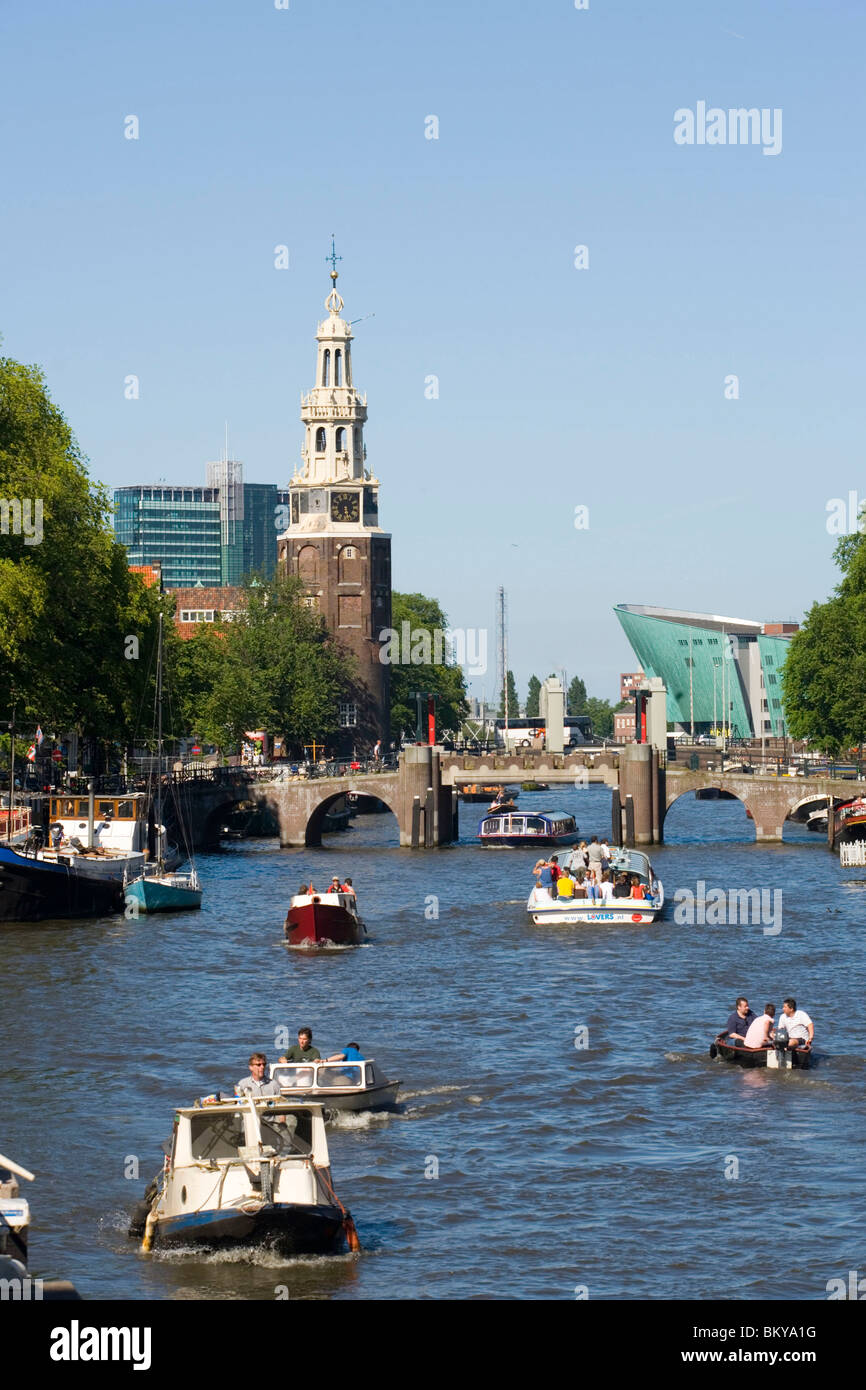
{"x":286,"y":1075}
{"x":288,"y":1134}
{"x":340,"y":1076}
{"x":216,"y":1136}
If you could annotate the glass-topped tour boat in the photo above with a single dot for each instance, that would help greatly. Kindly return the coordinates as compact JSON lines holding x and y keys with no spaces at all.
{"x":522,"y":828}
{"x":638,"y":872}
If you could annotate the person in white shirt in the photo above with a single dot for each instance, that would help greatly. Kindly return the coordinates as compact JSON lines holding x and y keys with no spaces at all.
{"x":758,"y":1031}
{"x":257,"y":1083}
{"x":796,"y":1023}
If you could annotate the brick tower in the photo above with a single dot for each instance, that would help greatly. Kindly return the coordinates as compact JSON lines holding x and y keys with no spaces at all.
{"x":334,"y":543}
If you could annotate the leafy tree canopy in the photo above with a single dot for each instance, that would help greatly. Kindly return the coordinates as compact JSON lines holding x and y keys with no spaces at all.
{"x":68,"y":602}
{"x":423,"y":666}
{"x":532,"y":698}
{"x":576,"y":701}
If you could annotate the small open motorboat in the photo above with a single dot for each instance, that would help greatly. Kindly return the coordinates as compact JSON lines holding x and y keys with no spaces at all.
{"x":782,"y":1058}
{"x":337,"y":1085}
{"x":619,"y":911}
{"x":324,"y":920}
{"x":246,"y":1171}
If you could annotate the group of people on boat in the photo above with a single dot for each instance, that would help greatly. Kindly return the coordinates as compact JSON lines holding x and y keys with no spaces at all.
{"x":595,"y":881}
{"x":258,"y":1083}
{"x":745,"y":1028}
{"x":335,"y":886}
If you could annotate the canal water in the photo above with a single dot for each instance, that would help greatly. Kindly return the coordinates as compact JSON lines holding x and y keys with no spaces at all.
{"x":562,"y":1128}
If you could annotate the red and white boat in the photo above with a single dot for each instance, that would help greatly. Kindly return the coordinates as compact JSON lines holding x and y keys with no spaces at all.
{"x":850,"y":819}
{"x":324,"y":919}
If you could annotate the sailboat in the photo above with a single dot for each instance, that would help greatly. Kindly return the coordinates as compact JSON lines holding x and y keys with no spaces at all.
{"x":156,"y":890}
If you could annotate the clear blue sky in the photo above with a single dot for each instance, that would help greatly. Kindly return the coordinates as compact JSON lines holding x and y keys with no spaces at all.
{"x":558,"y":387}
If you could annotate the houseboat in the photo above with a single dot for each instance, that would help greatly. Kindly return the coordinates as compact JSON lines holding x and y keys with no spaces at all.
{"x":850,"y":820}
{"x":522,"y":828}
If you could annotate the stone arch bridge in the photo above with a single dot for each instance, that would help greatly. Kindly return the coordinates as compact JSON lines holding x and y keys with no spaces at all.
{"x":423,"y":805}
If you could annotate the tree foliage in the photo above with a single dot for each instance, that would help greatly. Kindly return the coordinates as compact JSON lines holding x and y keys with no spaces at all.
{"x":68,"y":602}
{"x":513,"y":702}
{"x":409,"y":671}
{"x":532,"y":698}
{"x":824,"y":677}
{"x":275,"y":667}
{"x":576,"y":702}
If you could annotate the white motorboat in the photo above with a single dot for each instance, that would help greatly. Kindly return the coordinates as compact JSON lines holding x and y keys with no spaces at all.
{"x":247,"y":1171}
{"x":638,"y":871}
{"x":337,"y":1085}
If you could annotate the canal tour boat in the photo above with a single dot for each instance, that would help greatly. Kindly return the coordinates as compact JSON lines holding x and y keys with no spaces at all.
{"x":521,"y":828}
{"x":337,"y":1085}
{"x":545,"y":910}
{"x":324,"y":920}
{"x":246,"y":1171}
{"x":783,"y":1058}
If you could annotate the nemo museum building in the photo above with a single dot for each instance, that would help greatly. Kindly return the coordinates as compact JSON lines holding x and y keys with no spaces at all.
{"x":720,"y":673}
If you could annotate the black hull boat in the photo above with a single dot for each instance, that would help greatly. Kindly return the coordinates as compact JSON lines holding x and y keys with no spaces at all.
{"x":778,"y":1058}
{"x":32,"y":890}
{"x":284,"y":1228}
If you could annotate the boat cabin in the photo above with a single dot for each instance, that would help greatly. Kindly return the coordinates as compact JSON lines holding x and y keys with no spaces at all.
{"x":522,"y":828}
{"x":326,"y":1076}
{"x":119,"y":822}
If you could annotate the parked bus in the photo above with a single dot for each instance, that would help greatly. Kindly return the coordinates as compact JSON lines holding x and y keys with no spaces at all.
{"x":528,"y":733}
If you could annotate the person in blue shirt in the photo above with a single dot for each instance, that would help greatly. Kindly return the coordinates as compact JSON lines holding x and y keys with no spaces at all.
{"x":737,"y":1025}
{"x":350,"y":1053}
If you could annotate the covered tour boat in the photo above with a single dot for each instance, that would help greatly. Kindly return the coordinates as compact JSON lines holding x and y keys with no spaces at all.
{"x":783,"y":1058}
{"x":624,"y":911}
{"x":337,"y":1085}
{"x":521,"y":828}
{"x":324,"y":919}
{"x":246,"y":1171}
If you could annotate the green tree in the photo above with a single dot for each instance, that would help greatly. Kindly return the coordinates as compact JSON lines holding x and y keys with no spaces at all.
{"x":275,"y":667}
{"x":824,"y":677}
{"x":420,"y":660}
{"x":601,"y":713}
{"x":513,"y":702}
{"x":532,"y":710}
{"x":576,"y":702}
{"x":68,"y":602}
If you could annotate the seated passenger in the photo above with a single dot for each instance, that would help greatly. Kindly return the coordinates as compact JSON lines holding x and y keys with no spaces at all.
{"x":593,"y":887}
{"x":580,"y":884}
{"x":606,"y":887}
{"x":350,"y":1053}
{"x":565,"y":885}
{"x":637,"y":888}
{"x":796,"y":1023}
{"x":303,"y":1050}
{"x":347,"y":888}
{"x":620,"y":887}
{"x":739,"y":1021}
{"x":758,"y":1031}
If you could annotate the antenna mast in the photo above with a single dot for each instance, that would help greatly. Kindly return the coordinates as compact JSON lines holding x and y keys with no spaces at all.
{"x":502,"y":649}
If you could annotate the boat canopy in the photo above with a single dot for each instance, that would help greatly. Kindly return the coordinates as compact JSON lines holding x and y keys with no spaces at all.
{"x":229,"y":1130}
{"x":323,"y":1075}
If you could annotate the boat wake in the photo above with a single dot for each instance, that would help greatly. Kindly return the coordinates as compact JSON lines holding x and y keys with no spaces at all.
{"x":260,"y":1256}
{"x":357,"y":1119}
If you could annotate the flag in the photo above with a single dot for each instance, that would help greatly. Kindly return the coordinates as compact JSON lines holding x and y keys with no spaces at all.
{"x":31,"y":753}
{"x":39,"y":736}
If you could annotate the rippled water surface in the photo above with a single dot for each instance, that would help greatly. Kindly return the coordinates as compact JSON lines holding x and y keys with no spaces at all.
{"x":557,"y":1166}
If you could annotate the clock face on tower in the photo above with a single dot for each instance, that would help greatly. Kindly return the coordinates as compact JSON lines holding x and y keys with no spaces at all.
{"x":345,"y":506}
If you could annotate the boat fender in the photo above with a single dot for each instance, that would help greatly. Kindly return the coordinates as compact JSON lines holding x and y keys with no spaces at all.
{"x":350,"y":1231}
{"x":713,"y":1050}
{"x":147,"y":1238}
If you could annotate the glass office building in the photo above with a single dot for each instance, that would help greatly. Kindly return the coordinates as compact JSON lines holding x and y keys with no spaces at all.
{"x":211,"y":536}
{"x":717,"y":671}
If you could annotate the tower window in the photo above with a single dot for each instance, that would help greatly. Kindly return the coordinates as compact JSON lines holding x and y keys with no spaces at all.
{"x":348,"y":716}
{"x":341,"y":436}
{"x":338,"y":368}
{"x":320,"y":439}
{"x":326,"y":367}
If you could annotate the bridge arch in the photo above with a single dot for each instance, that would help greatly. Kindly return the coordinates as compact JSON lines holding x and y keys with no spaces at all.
{"x":678,"y":793}
{"x":316,"y":817}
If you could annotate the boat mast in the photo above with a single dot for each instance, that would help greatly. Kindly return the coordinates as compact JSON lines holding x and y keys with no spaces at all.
{"x":11,"y":770}
{"x":159,"y":744}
